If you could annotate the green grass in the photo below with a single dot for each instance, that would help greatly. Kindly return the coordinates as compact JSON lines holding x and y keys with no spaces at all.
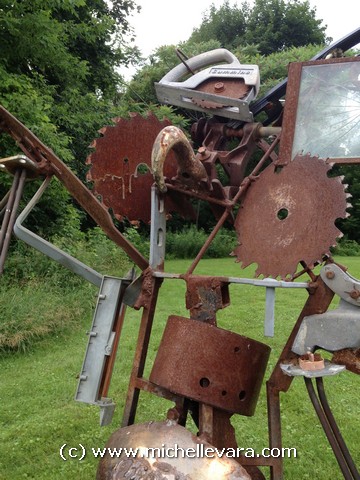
{"x":38,"y":413}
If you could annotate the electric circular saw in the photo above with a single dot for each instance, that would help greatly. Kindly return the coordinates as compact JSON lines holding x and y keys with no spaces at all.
{"x":221,"y":85}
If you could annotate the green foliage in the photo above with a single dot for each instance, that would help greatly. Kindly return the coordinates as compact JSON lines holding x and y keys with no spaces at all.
{"x":271,"y":25}
{"x":227,"y":24}
{"x":58,"y":76}
{"x":188,"y":242}
{"x":347,"y":248}
{"x":274,"y":25}
{"x":52,"y":297}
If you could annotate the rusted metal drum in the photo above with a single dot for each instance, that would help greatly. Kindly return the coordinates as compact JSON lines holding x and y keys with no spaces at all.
{"x":211,"y":365}
{"x":174,"y":454}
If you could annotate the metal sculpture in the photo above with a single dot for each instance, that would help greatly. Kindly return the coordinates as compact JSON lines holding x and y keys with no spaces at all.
{"x":283,"y":208}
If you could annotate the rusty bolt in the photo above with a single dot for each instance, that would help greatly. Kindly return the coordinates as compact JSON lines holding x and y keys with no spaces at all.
{"x":355,"y":294}
{"x":330,"y":274}
{"x":173,"y":414}
{"x":202,"y":150}
{"x":219,"y":87}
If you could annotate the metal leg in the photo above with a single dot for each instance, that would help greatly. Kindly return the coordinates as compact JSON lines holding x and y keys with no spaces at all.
{"x":328,"y":429}
{"x":10,"y":214}
{"x":334,"y":427}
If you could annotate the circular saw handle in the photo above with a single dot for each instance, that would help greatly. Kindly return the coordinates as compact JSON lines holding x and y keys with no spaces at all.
{"x":201,"y":61}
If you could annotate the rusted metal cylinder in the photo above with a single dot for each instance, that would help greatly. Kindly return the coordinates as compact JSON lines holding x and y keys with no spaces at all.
{"x":210,"y":365}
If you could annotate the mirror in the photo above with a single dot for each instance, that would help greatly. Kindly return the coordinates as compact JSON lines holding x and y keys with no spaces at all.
{"x":328,"y":115}
{"x":322,"y":111}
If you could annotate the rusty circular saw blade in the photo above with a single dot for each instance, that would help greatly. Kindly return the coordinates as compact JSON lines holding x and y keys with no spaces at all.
{"x":120,"y":166}
{"x":226,"y":87}
{"x":288,"y":216}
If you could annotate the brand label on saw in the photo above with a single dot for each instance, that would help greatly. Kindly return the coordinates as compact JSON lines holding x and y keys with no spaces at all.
{"x":239,"y":72}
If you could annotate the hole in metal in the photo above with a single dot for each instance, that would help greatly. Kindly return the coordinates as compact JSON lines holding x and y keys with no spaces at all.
{"x":242,"y":395}
{"x":204,"y":382}
{"x":282,"y":213}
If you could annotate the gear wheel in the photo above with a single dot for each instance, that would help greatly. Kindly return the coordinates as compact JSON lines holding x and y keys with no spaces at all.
{"x":288,"y":216}
{"x":120,"y":167}
{"x":225,"y":87}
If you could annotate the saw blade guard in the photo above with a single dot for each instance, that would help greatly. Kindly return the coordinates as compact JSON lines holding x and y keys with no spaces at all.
{"x":218,"y":65}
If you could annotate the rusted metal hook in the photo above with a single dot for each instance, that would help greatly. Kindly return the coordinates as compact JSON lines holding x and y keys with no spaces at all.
{"x":190,"y":170}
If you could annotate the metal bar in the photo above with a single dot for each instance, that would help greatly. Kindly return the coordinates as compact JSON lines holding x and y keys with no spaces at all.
{"x":158,"y":229}
{"x":266,"y":282}
{"x":140,"y":356}
{"x":110,"y":360}
{"x":3,"y":203}
{"x":12,"y":218}
{"x":328,"y":431}
{"x":8,"y":208}
{"x":334,"y":427}
{"x":274,"y":429}
{"x":269,"y":312}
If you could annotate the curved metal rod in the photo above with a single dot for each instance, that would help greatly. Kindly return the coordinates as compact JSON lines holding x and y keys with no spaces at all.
{"x":47,"y":248}
{"x":328,"y":431}
{"x":190,"y":169}
{"x":335,"y":428}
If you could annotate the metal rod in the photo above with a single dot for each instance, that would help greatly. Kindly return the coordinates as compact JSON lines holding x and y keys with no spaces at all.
{"x":12,"y":218}
{"x":334,"y":427}
{"x":328,"y":431}
{"x":3,"y":203}
{"x":140,"y":355}
{"x":9,"y":207}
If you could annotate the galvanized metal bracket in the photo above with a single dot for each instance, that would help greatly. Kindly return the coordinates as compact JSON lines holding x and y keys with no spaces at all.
{"x":157,"y":230}
{"x":100,"y":346}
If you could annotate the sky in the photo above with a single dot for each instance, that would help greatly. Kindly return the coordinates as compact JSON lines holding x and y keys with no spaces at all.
{"x":164,"y":22}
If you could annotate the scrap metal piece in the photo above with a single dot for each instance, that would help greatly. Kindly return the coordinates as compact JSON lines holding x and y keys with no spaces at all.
{"x":162,"y":454}
{"x":333,"y":330}
{"x":226,"y":373}
{"x":231,"y":88}
{"x":348,"y":357}
{"x":288,"y":216}
{"x":120,"y":167}
{"x":295,"y":371}
{"x":340,"y":282}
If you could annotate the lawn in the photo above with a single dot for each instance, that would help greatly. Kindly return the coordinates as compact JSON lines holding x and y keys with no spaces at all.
{"x":38,"y":413}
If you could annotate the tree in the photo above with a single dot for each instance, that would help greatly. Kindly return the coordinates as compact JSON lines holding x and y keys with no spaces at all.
{"x":226,"y":24}
{"x":272,"y":25}
{"x":58,"y":74}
